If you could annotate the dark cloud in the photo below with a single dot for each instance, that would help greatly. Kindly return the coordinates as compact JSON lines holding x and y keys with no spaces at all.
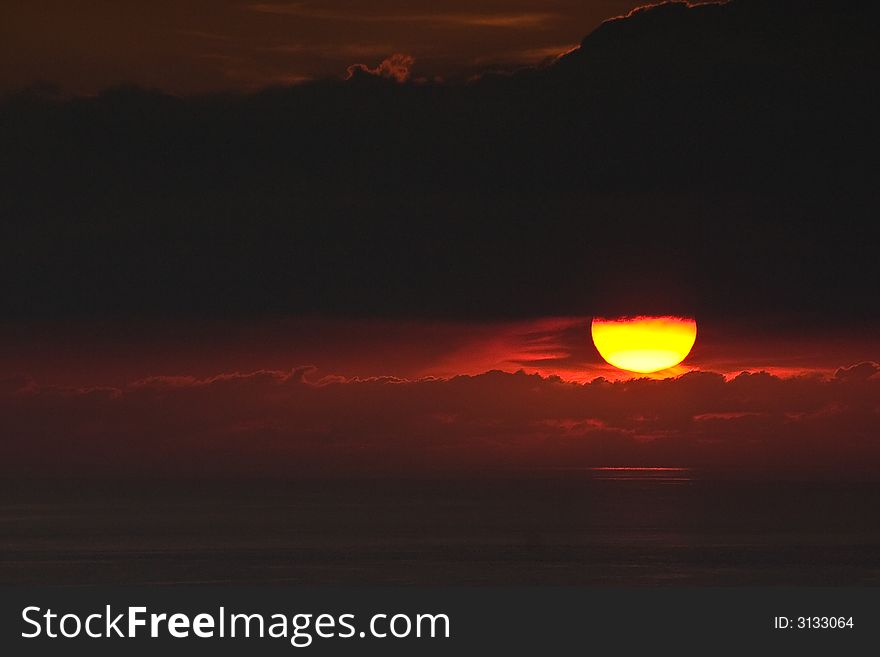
{"x":713,"y":160}
{"x":859,"y":372}
{"x":296,"y":422}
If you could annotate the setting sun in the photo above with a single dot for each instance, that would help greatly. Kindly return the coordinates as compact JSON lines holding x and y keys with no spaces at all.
{"x":644,"y":344}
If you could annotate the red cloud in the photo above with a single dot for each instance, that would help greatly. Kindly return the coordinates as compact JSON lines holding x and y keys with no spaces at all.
{"x":397,"y":67}
{"x":271,"y":422}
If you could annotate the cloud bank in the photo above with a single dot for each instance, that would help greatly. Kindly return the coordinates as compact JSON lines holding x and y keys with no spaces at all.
{"x":295,"y":423}
{"x":714,"y":160}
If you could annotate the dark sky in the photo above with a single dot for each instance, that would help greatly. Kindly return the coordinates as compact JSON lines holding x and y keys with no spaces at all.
{"x":715,"y":161}
{"x":201,"y":45}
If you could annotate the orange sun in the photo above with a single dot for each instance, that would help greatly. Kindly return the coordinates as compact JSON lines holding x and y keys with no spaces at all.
{"x":644,"y":344}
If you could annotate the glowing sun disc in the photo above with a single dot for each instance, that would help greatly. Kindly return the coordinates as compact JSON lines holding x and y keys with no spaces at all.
{"x":644,"y":344}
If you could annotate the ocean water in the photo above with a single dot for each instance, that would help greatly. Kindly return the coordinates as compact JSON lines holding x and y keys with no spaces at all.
{"x":595,"y":526}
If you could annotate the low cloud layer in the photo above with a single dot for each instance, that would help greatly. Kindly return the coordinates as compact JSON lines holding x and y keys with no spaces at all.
{"x":297,"y":423}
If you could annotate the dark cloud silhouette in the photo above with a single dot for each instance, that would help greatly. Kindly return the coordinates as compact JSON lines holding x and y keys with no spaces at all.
{"x":713,"y":160}
{"x":276,"y":422}
{"x":860,"y":372}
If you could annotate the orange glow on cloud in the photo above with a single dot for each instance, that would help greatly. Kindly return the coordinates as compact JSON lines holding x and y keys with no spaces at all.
{"x":91,"y":354}
{"x":644,"y":344}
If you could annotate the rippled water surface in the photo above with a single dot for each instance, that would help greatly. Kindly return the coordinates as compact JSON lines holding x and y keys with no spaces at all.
{"x":597,"y":526}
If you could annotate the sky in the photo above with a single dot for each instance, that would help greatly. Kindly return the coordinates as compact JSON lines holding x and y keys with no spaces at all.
{"x":97,"y":353}
{"x":714,"y":160}
{"x":331,"y":398}
{"x":209,"y":45}
{"x":389,"y":273}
